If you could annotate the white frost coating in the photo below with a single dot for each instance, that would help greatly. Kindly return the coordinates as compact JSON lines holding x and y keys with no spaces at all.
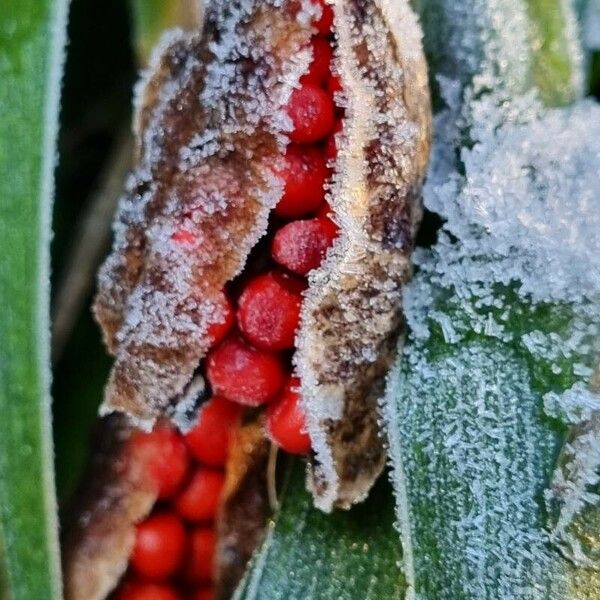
{"x":397,"y":474}
{"x":573,"y":497}
{"x":470,"y":447}
{"x":168,"y":39}
{"x":574,"y":406}
{"x":517,"y":264}
{"x":527,"y":213}
{"x":571,"y":492}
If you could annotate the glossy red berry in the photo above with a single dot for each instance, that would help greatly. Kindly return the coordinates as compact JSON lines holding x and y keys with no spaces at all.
{"x":198,"y":567}
{"x":184,"y":237}
{"x":312,"y":112}
{"x":142,"y":590}
{"x":209,"y":440}
{"x":325,"y":22}
{"x":319,"y":69}
{"x":217,"y":331}
{"x":304,"y":175}
{"x":205,"y":593}
{"x":159,"y":546}
{"x":286,"y":421}
{"x":300,"y":246}
{"x":269,"y":311}
{"x":243,"y":374}
{"x":164,"y":457}
{"x":200,"y":498}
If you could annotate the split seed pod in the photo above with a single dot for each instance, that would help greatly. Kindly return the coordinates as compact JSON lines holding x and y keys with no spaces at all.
{"x":211,"y":131}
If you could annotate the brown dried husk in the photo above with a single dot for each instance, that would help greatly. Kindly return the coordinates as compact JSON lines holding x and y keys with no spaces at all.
{"x":207,"y":144}
{"x":351,"y":316}
{"x":210,"y":136}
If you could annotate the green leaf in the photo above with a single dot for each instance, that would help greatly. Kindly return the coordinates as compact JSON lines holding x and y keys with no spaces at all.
{"x":345,"y":555}
{"x":32,"y":37}
{"x":152,"y":17}
{"x":473,"y":444}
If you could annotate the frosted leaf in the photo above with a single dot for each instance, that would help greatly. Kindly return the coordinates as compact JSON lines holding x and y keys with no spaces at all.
{"x":526,"y":214}
{"x":504,"y":310}
{"x":470,"y":460}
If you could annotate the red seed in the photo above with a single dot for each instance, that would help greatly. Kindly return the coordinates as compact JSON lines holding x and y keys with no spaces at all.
{"x":244,"y":374}
{"x":319,"y":69}
{"x":312,"y":113}
{"x":325,"y":212}
{"x":304,"y":174}
{"x":331,"y":144}
{"x":325,"y":22}
{"x":300,"y":246}
{"x":198,"y":566}
{"x":140,"y":590}
{"x":334,"y":84}
{"x":269,"y":311}
{"x":209,"y":440}
{"x":159,"y":546}
{"x":217,"y":331}
{"x":205,"y":593}
{"x":184,"y":237}
{"x":163,"y":455}
{"x":286,"y":421}
{"x":199,"y":500}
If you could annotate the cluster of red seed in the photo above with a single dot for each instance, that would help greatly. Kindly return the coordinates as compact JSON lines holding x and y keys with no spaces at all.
{"x":249,"y":361}
{"x":251,"y":365}
{"x":173,"y":552}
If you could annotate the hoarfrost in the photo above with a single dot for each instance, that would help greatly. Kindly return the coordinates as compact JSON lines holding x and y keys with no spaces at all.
{"x":509,"y":293}
{"x":517,"y":262}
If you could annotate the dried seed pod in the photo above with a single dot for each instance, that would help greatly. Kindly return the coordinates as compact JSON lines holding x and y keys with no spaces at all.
{"x":352,"y":312}
{"x":118,"y":492}
{"x":211,"y":132}
{"x":99,"y":530}
{"x":244,"y":507}
{"x":211,"y":128}
{"x":212,"y":135}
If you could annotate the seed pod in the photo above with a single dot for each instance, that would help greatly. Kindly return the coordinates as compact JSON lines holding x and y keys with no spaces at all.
{"x":213,"y":126}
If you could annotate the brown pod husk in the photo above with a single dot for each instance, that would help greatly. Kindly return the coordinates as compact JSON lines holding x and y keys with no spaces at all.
{"x":210,"y":135}
{"x":99,"y":527}
{"x":244,"y":508}
{"x":351,"y":317}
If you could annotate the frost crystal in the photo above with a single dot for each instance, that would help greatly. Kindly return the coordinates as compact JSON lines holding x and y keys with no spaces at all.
{"x":504,"y":316}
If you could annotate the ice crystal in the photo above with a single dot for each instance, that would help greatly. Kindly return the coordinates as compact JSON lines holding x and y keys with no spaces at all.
{"x":503,"y":315}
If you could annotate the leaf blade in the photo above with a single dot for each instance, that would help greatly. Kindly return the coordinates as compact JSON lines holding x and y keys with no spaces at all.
{"x":345,"y":554}
{"x":31,"y":64}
